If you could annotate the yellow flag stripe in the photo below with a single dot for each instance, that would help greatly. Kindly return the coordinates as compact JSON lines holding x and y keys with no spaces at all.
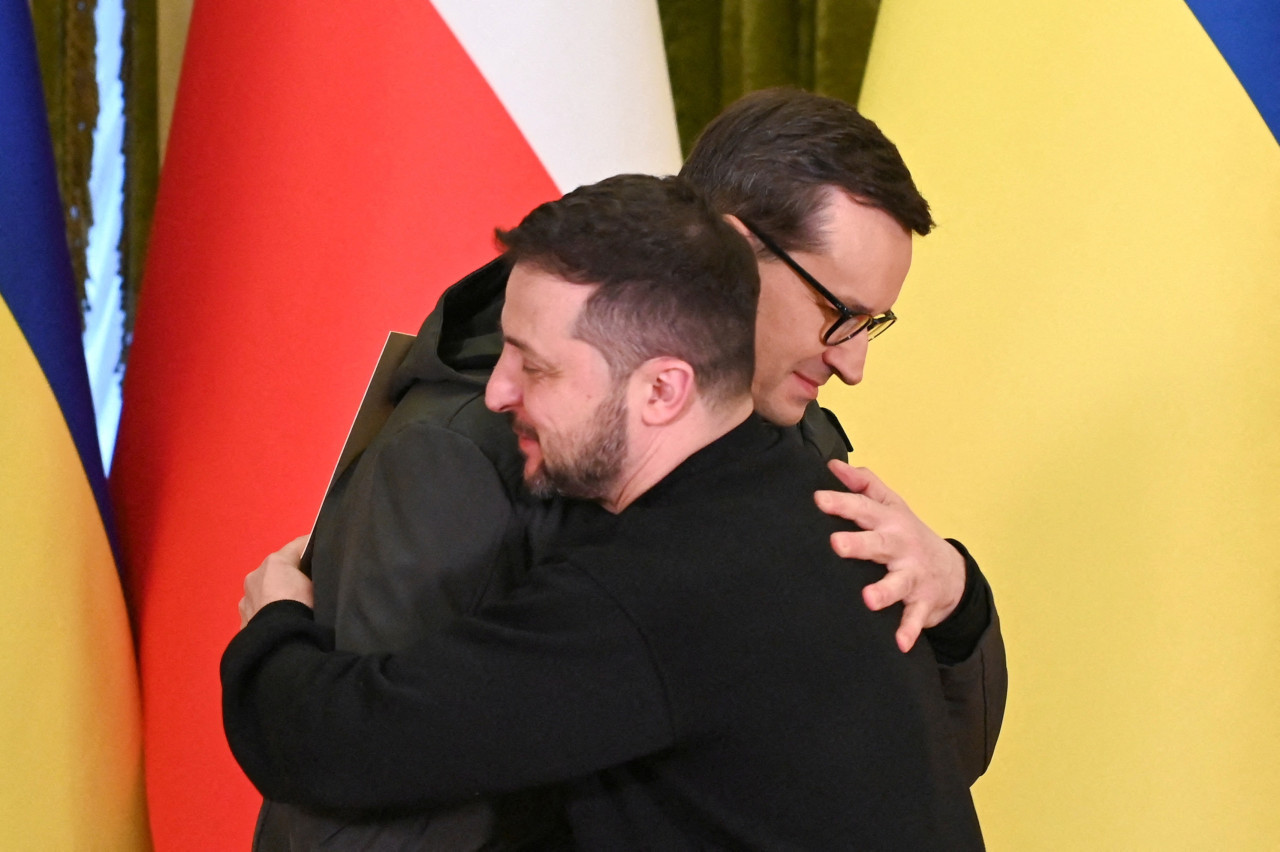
{"x":70,"y":728}
{"x":1084,"y":388}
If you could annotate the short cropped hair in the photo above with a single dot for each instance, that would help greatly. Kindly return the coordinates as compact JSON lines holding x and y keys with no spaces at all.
{"x":674,"y":278}
{"x":770,"y":156}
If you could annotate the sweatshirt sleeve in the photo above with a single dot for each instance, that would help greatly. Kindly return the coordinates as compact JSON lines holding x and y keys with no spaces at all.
{"x":417,"y":539}
{"x":972,"y":668}
{"x":549,"y":685}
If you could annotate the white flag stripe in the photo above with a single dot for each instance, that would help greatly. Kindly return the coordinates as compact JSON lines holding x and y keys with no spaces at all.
{"x":586,"y":83}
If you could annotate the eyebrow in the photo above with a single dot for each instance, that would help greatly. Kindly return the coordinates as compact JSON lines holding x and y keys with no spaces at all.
{"x":853,"y":306}
{"x":856,"y":307}
{"x":525,"y":348}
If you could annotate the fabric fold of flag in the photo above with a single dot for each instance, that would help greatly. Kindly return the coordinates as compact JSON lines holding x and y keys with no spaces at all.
{"x":70,"y":725}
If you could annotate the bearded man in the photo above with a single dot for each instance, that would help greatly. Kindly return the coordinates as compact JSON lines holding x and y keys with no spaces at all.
{"x":684,"y":658}
{"x":416,"y":532}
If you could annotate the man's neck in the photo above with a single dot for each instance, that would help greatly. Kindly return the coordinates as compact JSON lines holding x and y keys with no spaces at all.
{"x":662,"y":449}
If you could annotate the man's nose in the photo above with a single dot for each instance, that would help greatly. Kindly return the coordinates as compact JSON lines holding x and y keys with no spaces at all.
{"x":502,"y":392}
{"x":848,"y":359}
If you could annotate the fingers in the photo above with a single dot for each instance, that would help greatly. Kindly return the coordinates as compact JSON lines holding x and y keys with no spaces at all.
{"x":260,"y":585}
{"x":895,"y":588}
{"x":914,"y":617}
{"x":865,"y":544}
{"x":858,"y":508}
{"x":293,"y":550}
{"x":887,"y":591}
{"x":860,"y":480}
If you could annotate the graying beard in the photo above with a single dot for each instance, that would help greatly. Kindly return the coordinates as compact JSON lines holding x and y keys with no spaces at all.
{"x":592,"y":471}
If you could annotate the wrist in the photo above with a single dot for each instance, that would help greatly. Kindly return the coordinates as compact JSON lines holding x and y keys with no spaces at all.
{"x":955,"y":637}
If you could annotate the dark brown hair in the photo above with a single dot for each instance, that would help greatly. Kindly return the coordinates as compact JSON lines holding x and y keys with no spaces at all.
{"x":770,"y":156}
{"x":675,"y":279}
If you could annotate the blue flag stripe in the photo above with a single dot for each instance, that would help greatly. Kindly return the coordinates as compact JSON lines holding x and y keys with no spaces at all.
{"x":36,"y":279}
{"x":1247,"y":33}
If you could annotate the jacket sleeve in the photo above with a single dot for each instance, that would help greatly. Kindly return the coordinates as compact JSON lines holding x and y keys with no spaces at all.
{"x":971,"y":666}
{"x":968,"y":645}
{"x":551,"y":684}
{"x":416,"y":538}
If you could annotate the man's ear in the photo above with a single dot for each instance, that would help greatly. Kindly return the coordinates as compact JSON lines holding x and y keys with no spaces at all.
{"x":666,"y":387}
{"x":740,"y":228}
{"x":752,"y":239}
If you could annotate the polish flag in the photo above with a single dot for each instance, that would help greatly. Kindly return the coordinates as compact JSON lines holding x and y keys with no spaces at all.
{"x":331,"y":168}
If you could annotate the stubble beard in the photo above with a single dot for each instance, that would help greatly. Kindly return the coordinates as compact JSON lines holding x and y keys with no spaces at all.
{"x":594,"y":462}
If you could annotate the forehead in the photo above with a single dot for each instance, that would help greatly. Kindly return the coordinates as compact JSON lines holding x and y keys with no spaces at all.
{"x":540,"y":307}
{"x":866,"y":253}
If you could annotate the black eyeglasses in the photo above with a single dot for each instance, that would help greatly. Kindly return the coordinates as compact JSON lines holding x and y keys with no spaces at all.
{"x":850,"y":323}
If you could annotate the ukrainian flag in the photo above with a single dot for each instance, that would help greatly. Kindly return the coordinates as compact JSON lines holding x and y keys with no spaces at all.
{"x":70,"y":731}
{"x":1085,"y":387}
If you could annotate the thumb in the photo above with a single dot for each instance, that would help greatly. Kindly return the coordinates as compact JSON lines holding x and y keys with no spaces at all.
{"x":293,"y":550}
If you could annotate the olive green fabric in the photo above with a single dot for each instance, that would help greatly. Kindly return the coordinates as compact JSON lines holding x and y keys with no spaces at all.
{"x":65,"y":38}
{"x":718,"y":50}
{"x":141,"y":147}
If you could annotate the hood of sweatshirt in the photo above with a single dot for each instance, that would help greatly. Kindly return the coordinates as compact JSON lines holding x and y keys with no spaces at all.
{"x":461,"y":339}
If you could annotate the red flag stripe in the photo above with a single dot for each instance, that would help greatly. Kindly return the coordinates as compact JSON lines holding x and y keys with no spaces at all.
{"x":331,"y":167}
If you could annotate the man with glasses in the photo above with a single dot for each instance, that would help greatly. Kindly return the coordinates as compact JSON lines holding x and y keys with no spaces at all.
{"x":830,"y":208}
{"x":686,"y":658}
{"x":413,"y":534}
